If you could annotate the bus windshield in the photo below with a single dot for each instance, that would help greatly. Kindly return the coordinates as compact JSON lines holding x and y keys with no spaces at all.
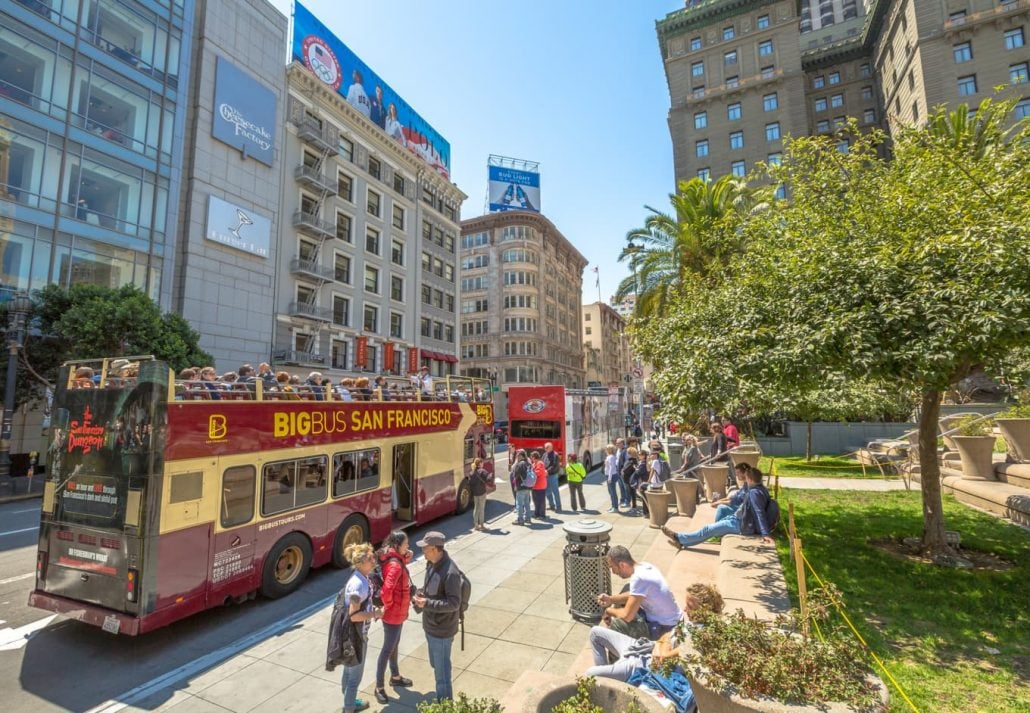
{"x":536,"y":429}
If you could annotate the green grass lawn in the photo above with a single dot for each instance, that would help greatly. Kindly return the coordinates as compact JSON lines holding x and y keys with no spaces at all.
{"x":934,"y":628}
{"x":820,"y":467}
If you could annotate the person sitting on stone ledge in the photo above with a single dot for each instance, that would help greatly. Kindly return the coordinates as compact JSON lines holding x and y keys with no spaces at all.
{"x":631,"y":653}
{"x":748,"y":519}
{"x":647,"y":608}
{"x":731,"y":503}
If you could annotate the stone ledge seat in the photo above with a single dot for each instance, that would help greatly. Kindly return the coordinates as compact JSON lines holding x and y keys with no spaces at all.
{"x":1004,"y":499}
{"x":751,"y":578}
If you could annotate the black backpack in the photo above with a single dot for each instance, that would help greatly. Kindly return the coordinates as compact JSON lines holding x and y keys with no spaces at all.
{"x":376,"y":581}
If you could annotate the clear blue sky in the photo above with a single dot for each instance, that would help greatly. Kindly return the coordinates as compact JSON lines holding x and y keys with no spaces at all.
{"x":573,"y":84}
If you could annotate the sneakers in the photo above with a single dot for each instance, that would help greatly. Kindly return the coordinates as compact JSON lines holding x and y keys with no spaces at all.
{"x":400,"y":682}
{"x":381,"y":696}
{"x":359,"y":705}
{"x":613,"y":509}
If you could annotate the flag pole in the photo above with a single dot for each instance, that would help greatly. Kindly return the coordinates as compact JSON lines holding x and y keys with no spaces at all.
{"x":598,"y":273}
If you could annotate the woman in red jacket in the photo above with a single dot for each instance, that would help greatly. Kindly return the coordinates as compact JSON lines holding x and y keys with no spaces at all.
{"x":540,"y":487}
{"x":394,"y":557}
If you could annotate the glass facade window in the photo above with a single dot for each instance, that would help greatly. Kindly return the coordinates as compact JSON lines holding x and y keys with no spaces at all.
{"x":765,"y":48}
{"x":730,"y":57}
{"x":820,"y":104}
{"x":695,"y":44}
{"x":737,"y":140}
{"x":770,"y":102}
{"x":697,"y":69}
{"x":772,"y":131}
{"x":818,"y":82}
{"x":728,"y":33}
{"x":763,"y":22}
{"x":701,"y":120}
{"x":1014,"y":38}
{"x":738,"y":169}
{"x":962,"y":52}
{"x":733,"y":111}
{"x":834,"y":77}
{"x":967,"y":85}
{"x":701,"y":148}
{"x":1022,"y":110}
{"x":869,"y":116}
{"x":1018,"y":73}
{"x":704,"y":174}
{"x":768,"y":72}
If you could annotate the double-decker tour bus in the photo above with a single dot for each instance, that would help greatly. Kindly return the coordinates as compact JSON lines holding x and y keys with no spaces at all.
{"x":163,"y":499}
{"x":580,"y":421}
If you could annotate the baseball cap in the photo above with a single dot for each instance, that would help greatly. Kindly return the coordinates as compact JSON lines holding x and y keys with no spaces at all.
{"x":118,"y":364}
{"x":433,"y":539}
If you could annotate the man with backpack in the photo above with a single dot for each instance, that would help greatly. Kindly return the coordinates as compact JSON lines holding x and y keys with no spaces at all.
{"x":758,"y":515}
{"x":522,"y":481}
{"x":442,"y":601}
{"x":552,"y":463}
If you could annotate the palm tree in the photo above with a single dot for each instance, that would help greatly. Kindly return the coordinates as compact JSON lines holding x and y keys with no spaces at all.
{"x":697,"y":238}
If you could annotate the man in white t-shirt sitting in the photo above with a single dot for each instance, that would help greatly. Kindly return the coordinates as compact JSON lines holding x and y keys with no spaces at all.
{"x":647,"y":608}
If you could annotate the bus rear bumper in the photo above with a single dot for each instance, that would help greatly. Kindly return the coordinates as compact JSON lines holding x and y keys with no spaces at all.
{"x":106,"y":619}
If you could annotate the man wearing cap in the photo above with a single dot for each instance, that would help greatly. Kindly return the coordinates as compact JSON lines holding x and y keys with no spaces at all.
{"x":439,"y":602}
{"x":425,"y":382}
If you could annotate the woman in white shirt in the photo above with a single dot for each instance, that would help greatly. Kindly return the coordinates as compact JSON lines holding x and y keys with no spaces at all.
{"x":611,"y":476}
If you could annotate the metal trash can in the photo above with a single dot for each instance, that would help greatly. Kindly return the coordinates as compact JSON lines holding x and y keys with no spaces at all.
{"x":675,"y":448}
{"x":586,"y":567}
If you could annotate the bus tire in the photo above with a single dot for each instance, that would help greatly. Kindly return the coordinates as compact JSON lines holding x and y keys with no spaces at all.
{"x":353,"y":531}
{"x":588,"y":461}
{"x":464,"y":499}
{"x":286,"y":566}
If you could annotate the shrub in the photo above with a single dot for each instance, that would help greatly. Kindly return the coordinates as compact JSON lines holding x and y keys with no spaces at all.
{"x":1017,"y":411}
{"x":580,"y":703}
{"x":464,"y":704}
{"x":973,"y":425}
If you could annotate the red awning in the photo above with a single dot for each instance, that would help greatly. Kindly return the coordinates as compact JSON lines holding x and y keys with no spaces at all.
{"x":426,"y":354}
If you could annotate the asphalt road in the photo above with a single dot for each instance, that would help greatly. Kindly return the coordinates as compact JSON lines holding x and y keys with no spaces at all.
{"x":48,"y":663}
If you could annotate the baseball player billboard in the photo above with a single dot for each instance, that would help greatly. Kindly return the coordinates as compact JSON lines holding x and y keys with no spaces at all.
{"x":512,"y":189}
{"x":331,"y":61}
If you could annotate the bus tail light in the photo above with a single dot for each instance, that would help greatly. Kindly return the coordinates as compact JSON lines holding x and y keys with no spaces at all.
{"x":41,"y":561}
{"x":131,"y":584}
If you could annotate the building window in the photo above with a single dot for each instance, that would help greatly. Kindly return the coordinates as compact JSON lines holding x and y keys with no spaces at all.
{"x":770,"y":102}
{"x":765,"y":48}
{"x":781,"y":191}
{"x":774,"y":159}
{"x":426,"y":327}
{"x":343,"y":227}
{"x":438,"y":330}
{"x":732,"y":82}
{"x":768,"y":72}
{"x":371,"y":319}
{"x":733,"y":111}
{"x":398,"y":217}
{"x":701,"y":120}
{"x":822,"y":126}
{"x":864,"y":70}
{"x":730,"y":57}
{"x":957,"y":18}
{"x":345,"y":186}
{"x":867,"y":93}
{"x":1022,"y":110}
{"x":698,"y":92}
{"x":371,"y":279}
{"x":839,"y":121}
{"x":738,"y":169}
{"x":737,"y":140}
{"x":396,"y":326}
{"x":448,"y":333}
{"x":372,"y":240}
{"x":834,"y":78}
{"x":339,"y":354}
{"x":697,"y":69}
{"x":962,"y":52}
{"x":772,"y":131}
{"x":818,"y":82}
{"x":763,"y":22}
{"x":915,"y":111}
{"x":843,"y":145}
{"x":1014,"y":38}
{"x":397,"y":252}
{"x":695,"y":44}
{"x":727,"y":33}
{"x":396,"y":288}
{"x":967,"y":85}
{"x":587,"y":330}
{"x":869,"y":116}
{"x":701,"y":148}
{"x":427,"y":262}
{"x":375,"y":169}
{"x":341,"y":269}
{"x":1018,"y":73}
{"x":374,"y":203}
{"x":341,"y":311}
{"x":398,"y":182}
{"x":820,"y":104}
{"x":837,"y":100}
{"x":704,"y":174}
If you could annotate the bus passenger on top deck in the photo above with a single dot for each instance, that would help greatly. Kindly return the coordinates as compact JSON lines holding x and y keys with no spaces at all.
{"x":83,"y":378}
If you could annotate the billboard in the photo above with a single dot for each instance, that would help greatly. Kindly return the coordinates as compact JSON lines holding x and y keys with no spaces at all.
{"x":244,"y":115}
{"x":237,"y":227}
{"x":331,"y":61}
{"x":513,"y":189}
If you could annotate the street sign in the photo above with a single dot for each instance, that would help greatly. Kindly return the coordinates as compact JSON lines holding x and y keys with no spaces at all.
{"x":628,"y":378}
{"x":638,"y":372}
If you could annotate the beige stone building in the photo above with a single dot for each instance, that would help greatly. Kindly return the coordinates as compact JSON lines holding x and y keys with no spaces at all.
{"x":605,"y":345}
{"x":742,"y":75}
{"x":521,"y":285}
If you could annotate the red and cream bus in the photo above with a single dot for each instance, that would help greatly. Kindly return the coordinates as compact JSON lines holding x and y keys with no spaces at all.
{"x":162,"y":500}
{"x":580,"y":421}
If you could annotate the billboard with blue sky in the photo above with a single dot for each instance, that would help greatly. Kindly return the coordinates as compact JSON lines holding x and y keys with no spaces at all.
{"x":334,"y":64}
{"x":513,"y":189}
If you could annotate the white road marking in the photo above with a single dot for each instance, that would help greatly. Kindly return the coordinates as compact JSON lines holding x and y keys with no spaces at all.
{"x":24,"y":529}
{"x":13,"y":639}
{"x":16,"y":579}
{"x":15,"y":512}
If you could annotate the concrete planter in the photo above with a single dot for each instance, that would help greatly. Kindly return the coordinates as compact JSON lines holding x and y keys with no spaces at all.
{"x":658,"y":506}
{"x":977,"y":454}
{"x":1016,"y":432}
{"x":710,"y":700}
{"x":715,"y":478}
{"x":946,"y":424}
{"x":685,"y":490}
{"x":749,"y":457}
{"x":537,"y":692}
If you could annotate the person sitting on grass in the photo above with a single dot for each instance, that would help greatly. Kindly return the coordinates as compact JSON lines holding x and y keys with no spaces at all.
{"x":632,"y":654}
{"x":748,"y":519}
{"x":647,"y":608}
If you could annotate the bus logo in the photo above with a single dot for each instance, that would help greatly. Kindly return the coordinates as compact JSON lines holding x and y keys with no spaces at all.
{"x":534,"y":406}
{"x":216,"y":427}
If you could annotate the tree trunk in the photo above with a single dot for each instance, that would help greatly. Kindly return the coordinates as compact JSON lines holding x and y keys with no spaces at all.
{"x":934,"y":543}
{"x":808,"y":443}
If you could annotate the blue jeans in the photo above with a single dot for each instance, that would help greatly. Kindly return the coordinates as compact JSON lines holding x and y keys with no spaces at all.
{"x":391,"y":637}
{"x":613,"y":492}
{"x":522,"y":498}
{"x":440,"y":660}
{"x":553,"y":496}
{"x":723,"y":511}
{"x":351,"y":681}
{"x":623,"y":491}
{"x":727,"y":526}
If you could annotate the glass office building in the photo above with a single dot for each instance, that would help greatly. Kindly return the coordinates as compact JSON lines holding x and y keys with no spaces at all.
{"x":92,"y":104}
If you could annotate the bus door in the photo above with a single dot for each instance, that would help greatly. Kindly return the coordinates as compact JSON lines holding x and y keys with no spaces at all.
{"x":233,"y":551}
{"x":404,"y":481}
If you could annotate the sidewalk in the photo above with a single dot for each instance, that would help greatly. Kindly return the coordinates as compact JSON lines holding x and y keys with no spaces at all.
{"x":518,"y":621}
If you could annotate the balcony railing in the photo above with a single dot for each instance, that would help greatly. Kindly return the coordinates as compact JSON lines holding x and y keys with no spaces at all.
{"x":959,"y":23}
{"x":753,"y":80}
{"x":312,"y":177}
{"x":312,"y":224}
{"x":295,"y":357}
{"x":300,"y":266}
{"x":309,"y":311}
{"x":324,"y":138}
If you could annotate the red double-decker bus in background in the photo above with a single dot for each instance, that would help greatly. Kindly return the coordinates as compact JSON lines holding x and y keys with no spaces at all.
{"x":580,"y":421}
{"x":163,"y":499}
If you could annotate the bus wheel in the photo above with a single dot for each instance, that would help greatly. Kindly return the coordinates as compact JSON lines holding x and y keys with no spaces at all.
{"x":286,"y":566}
{"x":353,"y":531}
{"x":464,"y":497}
{"x":588,"y":462}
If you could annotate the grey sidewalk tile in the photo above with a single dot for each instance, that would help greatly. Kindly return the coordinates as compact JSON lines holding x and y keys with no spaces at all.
{"x":532,"y":631}
{"x":307,"y":695}
{"x":249,"y":688}
{"x":575,"y":640}
{"x":159,"y":702}
{"x":486,"y":576}
{"x":477,"y":685}
{"x":529,"y":581}
{"x":544,"y":566}
{"x":197,"y":705}
{"x":301,"y":654}
{"x":474,"y":646}
{"x":486,"y":621}
{"x":559,"y":663}
{"x":219,"y":672}
{"x":508,"y":599}
{"x":507,"y":660}
{"x":259,"y":651}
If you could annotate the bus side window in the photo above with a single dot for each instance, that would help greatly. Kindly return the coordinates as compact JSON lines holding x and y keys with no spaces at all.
{"x":237,"y":495}
{"x":311,"y":484}
{"x":470,"y":447}
{"x":355,"y":471}
{"x":279,"y":481}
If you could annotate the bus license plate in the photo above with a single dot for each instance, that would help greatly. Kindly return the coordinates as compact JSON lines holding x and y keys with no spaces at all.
{"x":111,"y":624}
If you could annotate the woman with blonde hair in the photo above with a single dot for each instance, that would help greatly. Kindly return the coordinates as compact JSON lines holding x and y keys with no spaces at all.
{"x":611,"y":475}
{"x":360,"y":612}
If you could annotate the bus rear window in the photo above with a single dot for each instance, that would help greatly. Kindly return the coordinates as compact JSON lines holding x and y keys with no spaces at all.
{"x":536,"y":429}
{"x":237,"y":495}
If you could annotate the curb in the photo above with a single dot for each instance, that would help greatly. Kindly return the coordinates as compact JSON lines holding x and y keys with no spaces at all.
{"x":18,"y":498}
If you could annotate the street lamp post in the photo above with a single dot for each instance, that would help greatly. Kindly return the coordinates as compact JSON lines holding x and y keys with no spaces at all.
{"x":18,"y":308}
{"x":633,"y":248}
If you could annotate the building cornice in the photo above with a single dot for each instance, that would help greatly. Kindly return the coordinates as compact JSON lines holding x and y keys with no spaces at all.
{"x":702,"y":14}
{"x":522,"y":217}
